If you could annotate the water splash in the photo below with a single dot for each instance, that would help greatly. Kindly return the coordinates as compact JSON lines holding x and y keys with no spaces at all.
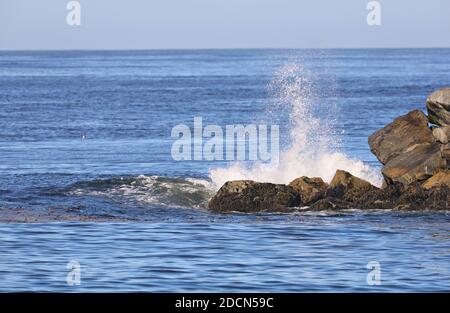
{"x":311,"y":147}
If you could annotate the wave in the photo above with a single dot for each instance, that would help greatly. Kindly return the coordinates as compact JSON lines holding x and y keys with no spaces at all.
{"x":153,"y":190}
{"x":312,"y":147}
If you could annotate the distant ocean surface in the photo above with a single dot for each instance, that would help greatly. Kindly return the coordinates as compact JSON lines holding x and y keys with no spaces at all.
{"x":86,"y":172}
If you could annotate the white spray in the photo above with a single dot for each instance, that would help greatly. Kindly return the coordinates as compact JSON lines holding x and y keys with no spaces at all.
{"x":312,"y":149}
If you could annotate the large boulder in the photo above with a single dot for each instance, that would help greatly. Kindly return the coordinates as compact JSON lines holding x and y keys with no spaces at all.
{"x":438,"y":107}
{"x":402,"y":135}
{"x":249,"y":196}
{"x":438,"y":180}
{"x":349,"y":188}
{"x":309,"y":189}
{"x":415,"y":165}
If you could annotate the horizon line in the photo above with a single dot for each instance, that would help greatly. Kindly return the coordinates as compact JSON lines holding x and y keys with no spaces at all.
{"x":203,"y":49}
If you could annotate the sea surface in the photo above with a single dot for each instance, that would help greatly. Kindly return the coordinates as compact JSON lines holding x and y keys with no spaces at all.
{"x":87,"y":176}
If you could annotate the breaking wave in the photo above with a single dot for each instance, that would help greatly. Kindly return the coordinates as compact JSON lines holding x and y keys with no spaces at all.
{"x":153,"y":190}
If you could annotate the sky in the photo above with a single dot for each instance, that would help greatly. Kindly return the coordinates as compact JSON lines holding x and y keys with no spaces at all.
{"x":197,"y":24}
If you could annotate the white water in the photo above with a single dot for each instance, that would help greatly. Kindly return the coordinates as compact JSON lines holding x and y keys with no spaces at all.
{"x":312,"y":149}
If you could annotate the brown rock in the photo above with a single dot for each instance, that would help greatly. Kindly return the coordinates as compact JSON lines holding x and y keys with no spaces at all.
{"x":402,"y":135}
{"x":309,"y":189}
{"x":439,"y":179}
{"x":415,"y":165}
{"x":445,"y":152}
{"x":442,"y":134}
{"x":250,"y":196}
{"x":348,"y":187}
{"x":438,"y":107}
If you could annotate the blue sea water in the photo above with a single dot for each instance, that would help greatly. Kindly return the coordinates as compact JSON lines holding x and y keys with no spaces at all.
{"x":86,"y":173}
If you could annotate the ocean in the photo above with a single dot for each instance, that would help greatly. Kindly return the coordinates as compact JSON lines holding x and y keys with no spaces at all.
{"x":87,"y":176}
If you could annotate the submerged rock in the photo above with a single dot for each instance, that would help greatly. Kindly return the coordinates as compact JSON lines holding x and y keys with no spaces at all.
{"x":249,"y":196}
{"x":415,"y":165}
{"x":309,"y":189}
{"x":438,"y":107}
{"x":402,"y":135}
{"x":347,"y":187}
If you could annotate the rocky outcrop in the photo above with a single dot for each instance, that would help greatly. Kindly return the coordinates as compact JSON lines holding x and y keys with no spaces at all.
{"x":345,"y":192}
{"x":249,"y":196}
{"x":309,"y":189}
{"x":409,"y":150}
{"x":416,"y":172}
{"x":438,"y":107}
{"x":402,"y":135}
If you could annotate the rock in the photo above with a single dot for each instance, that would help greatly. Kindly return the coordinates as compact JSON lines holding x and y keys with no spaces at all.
{"x":309,"y":189}
{"x":442,"y":134}
{"x":439,"y":179}
{"x":445,"y":152}
{"x":415,"y":197}
{"x":250,"y":196}
{"x":415,"y":165}
{"x":348,"y":187}
{"x":330,"y":203}
{"x":438,"y":107}
{"x":380,"y":199}
{"x":402,"y":135}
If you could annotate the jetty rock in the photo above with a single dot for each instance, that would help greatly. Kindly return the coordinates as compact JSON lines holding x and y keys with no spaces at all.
{"x":345,"y":192}
{"x":438,"y":107}
{"x":309,"y":189}
{"x":250,"y":196}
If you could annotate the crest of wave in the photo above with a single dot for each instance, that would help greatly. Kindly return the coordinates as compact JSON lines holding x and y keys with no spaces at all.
{"x":311,"y":148}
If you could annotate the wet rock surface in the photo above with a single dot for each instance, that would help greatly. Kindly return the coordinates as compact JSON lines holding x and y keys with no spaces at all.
{"x":249,"y":196}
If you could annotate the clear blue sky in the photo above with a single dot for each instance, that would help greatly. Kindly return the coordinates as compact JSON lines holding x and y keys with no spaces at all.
{"x":156,"y":24}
